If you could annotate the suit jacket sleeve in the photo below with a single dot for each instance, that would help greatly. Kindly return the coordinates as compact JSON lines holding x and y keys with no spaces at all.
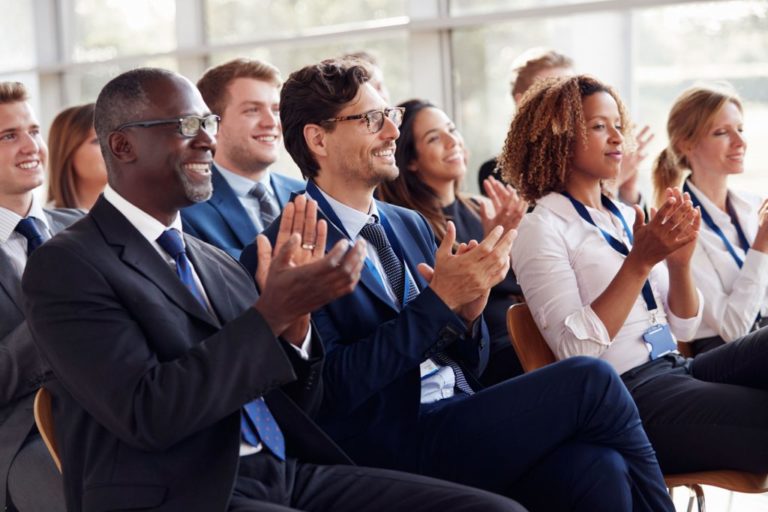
{"x":101,"y":355}
{"x":21,"y":367}
{"x":307,"y":390}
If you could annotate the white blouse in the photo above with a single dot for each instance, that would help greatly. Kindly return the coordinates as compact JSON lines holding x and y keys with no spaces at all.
{"x":563,"y":264}
{"x":734,"y":296}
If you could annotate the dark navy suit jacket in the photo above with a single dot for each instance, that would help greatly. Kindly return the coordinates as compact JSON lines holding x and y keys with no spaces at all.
{"x":374,"y":349}
{"x":223,"y":222}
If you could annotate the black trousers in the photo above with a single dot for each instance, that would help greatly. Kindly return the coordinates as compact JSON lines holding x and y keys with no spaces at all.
{"x":709,"y":412}
{"x":265,"y":483}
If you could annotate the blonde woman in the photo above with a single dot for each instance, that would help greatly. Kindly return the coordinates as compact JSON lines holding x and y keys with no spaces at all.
{"x":730,"y":264}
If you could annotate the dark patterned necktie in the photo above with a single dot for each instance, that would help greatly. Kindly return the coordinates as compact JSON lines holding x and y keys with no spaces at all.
{"x":268,"y":209}
{"x":374,"y":233}
{"x":395,"y":273}
{"x":28,"y":229}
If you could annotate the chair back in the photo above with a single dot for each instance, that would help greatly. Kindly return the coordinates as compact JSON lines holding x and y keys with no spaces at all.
{"x":44,"y":422}
{"x":529,"y":344}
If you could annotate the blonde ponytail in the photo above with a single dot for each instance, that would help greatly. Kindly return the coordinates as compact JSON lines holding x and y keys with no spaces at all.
{"x":667,"y":172}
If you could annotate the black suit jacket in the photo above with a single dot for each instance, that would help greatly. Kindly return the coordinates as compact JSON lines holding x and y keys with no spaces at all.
{"x":149,"y":384}
{"x":21,"y":367}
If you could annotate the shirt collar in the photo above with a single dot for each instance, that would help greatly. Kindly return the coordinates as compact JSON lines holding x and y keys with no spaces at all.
{"x":149,"y":227}
{"x":242,"y":185}
{"x":563,"y":208}
{"x":352,"y":220}
{"x":719,"y":216}
{"x":9,"y":219}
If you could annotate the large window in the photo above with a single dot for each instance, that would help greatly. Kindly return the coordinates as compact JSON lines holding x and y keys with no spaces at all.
{"x":678,"y":46}
{"x":457,"y":53}
{"x":483,"y":59}
{"x":105,"y":29}
{"x":649,"y":54}
{"x":238,"y":20}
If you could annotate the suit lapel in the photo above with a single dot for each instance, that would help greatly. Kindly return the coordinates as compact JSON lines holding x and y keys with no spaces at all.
{"x":214,"y":283}
{"x":136,"y":252}
{"x":369,"y":277}
{"x":411,"y":252}
{"x":282,"y":189}
{"x":10,"y":281}
{"x":231,"y":210}
{"x":55,"y":225}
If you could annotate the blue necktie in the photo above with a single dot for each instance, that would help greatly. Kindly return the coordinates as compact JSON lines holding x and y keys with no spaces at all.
{"x":395,"y":273}
{"x":258,"y":424}
{"x":172,"y":243}
{"x":28,"y":229}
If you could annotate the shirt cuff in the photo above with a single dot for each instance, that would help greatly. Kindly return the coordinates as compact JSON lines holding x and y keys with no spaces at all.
{"x":306,"y":345}
{"x":585,"y":325}
{"x":685,"y":329}
{"x":756,"y":266}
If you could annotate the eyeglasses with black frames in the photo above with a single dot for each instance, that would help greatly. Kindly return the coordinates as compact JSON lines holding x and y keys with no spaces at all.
{"x":374,"y":120}
{"x":189,"y":126}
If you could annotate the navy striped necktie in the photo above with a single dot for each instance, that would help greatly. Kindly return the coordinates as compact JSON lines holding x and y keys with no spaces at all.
{"x":395,"y":274}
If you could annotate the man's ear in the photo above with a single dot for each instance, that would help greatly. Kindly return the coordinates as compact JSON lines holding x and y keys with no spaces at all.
{"x":316,"y":139}
{"x":121,"y":147}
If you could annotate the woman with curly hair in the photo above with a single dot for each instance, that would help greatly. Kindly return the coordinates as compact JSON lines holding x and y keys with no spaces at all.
{"x":730,"y":263}
{"x":602,"y":282}
{"x":431,"y":158}
{"x":77,"y":170}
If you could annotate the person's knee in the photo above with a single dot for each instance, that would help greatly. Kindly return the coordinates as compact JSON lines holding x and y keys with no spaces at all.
{"x":604,"y":479}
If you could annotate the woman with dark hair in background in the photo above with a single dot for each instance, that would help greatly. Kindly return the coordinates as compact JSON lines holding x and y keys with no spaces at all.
{"x":431,"y":158}
{"x":730,"y":263}
{"x":77,"y":170}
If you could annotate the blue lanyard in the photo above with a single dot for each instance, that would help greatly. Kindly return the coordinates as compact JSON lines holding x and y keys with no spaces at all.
{"x":707,"y":218}
{"x":617,"y":245}
{"x":314,"y":192}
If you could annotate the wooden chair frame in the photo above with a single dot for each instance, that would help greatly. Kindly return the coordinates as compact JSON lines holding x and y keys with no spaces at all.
{"x":44,"y":422}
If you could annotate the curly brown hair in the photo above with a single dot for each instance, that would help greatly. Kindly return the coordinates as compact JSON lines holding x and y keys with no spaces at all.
{"x":549,"y":122}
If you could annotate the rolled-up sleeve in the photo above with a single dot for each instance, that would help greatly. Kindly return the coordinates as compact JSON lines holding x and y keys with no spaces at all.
{"x":685,"y":329}
{"x":541,"y":262}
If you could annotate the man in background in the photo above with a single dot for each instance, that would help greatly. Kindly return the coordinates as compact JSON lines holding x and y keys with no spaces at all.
{"x":29,"y":481}
{"x":247,"y":195}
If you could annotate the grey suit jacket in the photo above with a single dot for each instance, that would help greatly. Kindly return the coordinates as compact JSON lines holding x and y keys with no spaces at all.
{"x":21,"y":368}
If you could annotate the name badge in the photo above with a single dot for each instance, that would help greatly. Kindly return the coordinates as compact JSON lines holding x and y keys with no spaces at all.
{"x":659,"y":341}
{"x":428,"y":368}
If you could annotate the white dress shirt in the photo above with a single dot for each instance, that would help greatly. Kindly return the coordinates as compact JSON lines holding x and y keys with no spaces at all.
{"x":242,"y":186}
{"x":437,"y":381}
{"x":734,"y":296}
{"x":563,"y":264}
{"x":14,"y":244}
